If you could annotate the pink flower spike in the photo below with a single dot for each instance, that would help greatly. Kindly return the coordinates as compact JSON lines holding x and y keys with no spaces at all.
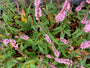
{"x":84,"y":19}
{"x":38,"y":11}
{"x":88,"y":22}
{"x":15,"y":46}
{"x":0,"y":21}
{"x":80,"y":6}
{"x":87,"y":28}
{"x":5,"y":41}
{"x":8,"y":34}
{"x":1,"y":26}
{"x":64,"y":41}
{"x":25,"y":37}
{"x":82,"y":67}
{"x":56,"y":53}
{"x":85,"y":45}
{"x":41,"y":59}
{"x":88,"y":1}
{"x":13,"y":42}
{"x":37,"y":2}
{"x":71,"y":48}
{"x":65,"y":61}
{"x":62,"y":14}
{"x":49,"y":56}
{"x":18,"y":11}
{"x":60,"y":17}
{"x":15,"y":36}
{"x":48,"y":39}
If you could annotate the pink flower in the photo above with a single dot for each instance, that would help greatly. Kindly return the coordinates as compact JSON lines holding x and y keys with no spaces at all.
{"x":40,"y":28}
{"x":1,"y":26}
{"x":64,"y":41}
{"x":25,"y":37}
{"x":88,"y":22}
{"x":38,"y":11}
{"x":80,"y":6}
{"x":18,"y":11}
{"x":48,"y":39}
{"x":53,"y":47}
{"x":60,"y":17}
{"x":5,"y":41}
{"x":15,"y":36}
{"x":82,"y":67}
{"x":62,"y":14}
{"x":71,"y":48}
{"x":0,"y":21}
{"x":37,"y":15}
{"x":65,"y":61}
{"x":56,"y":53}
{"x":13,"y":42}
{"x":15,"y":46}
{"x":88,"y":1}
{"x":49,"y":56}
{"x":66,"y":5}
{"x":85,"y":45}
{"x":37,"y":2}
{"x":41,"y":59}
{"x":8,"y":34}
{"x":87,"y":28}
{"x":84,"y":19}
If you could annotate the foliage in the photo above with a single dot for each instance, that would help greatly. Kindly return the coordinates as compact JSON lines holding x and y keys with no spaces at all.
{"x":36,"y":46}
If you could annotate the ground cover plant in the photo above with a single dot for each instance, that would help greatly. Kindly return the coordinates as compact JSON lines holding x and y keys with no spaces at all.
{"x":44,"y":36}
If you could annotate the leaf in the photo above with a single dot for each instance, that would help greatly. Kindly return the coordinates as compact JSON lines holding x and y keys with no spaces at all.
{"x":41,"y":50}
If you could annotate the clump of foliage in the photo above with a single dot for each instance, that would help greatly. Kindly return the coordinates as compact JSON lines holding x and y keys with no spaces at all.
{"x":24,"y":45}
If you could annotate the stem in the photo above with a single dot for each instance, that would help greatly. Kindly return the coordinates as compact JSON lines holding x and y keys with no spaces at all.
{"x":22,"y":53}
